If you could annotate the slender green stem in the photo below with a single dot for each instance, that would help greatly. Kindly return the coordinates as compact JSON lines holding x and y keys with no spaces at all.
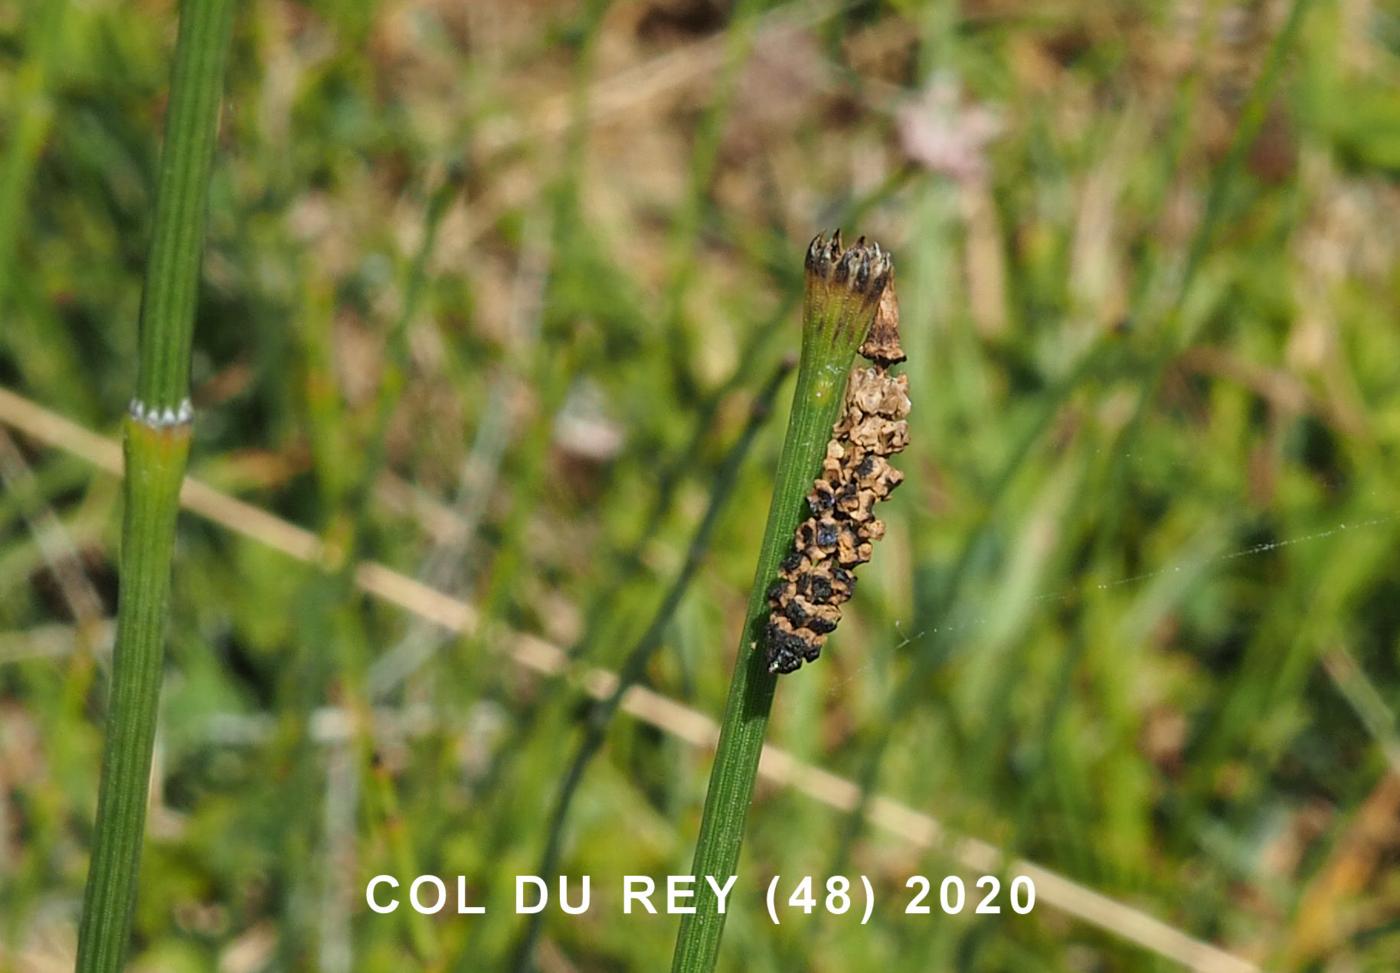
{"x":155,"y":460}
{"x":634,"y":666}
{"x":182,"y":199}
{"x":157,"y":446}
{"x":837,"y":312}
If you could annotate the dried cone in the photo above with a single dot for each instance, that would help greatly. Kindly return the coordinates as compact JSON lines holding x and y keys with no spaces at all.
{"x":818,"y":576}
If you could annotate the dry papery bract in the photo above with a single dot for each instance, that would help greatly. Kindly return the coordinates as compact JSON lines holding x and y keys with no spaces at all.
{"x":819,"y":574}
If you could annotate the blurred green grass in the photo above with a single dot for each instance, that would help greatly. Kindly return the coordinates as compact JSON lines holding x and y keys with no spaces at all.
{"x":534,"y":262}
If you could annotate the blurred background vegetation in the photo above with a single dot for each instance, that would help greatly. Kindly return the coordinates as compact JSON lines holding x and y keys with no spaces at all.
{"x":490,"y":291}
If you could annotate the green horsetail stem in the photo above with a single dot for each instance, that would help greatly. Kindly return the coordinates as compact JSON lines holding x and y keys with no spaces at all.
{"x":157,"y":439}
{"x":843,"y":289}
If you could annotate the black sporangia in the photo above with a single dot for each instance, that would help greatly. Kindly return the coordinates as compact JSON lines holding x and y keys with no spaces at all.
{"x":817,"y":577}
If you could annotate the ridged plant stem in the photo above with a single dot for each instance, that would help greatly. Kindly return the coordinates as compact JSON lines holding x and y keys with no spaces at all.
{"x":182,"y":200}
{"x":155,"y":462}
{"x":157,"y":437}
{"x":835,"y":321}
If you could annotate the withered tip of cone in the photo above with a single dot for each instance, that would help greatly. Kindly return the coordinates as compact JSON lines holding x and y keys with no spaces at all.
{"x":862,"y":268}
{"x":882,"y":342}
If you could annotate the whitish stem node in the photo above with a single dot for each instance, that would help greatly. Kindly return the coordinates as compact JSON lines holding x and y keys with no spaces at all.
{"x":161,"y":418}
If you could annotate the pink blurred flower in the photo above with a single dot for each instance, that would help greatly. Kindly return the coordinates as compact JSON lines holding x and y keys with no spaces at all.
{"x":940,"y":133}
